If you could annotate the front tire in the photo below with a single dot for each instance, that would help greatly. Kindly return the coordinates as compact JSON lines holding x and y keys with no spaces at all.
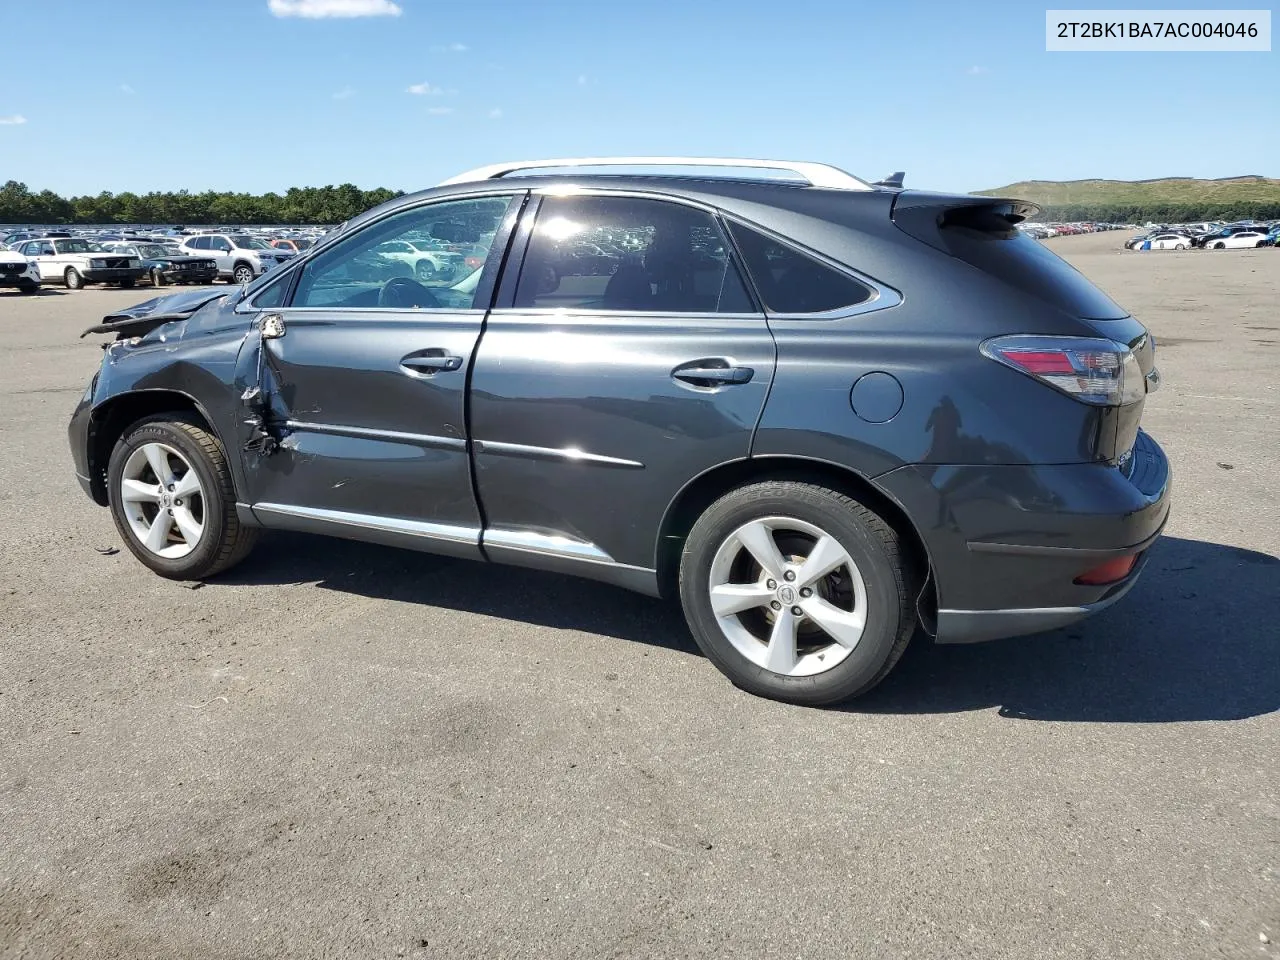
{"x":425,"y":271}
{"x":127,"y":283}
{"x":242,"y":274}
{"x":797,"y":592}
{"x":1219,"y":245}
{"x":31,"y":289}
{"x":73,"y":279}
{"x":1179,"y":246}
{"x":157,"y":278}
{"x":173,"y":501}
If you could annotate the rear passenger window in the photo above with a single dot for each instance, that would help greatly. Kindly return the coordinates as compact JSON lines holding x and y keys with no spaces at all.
{"x":792,"y":282}
{"x":631,"y":255}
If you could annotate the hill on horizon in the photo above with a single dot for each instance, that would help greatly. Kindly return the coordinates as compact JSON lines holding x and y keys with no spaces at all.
{"x":1166,"y":198}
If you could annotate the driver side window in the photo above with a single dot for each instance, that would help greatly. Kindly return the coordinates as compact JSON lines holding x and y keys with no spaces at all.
{"x":426,"y":257}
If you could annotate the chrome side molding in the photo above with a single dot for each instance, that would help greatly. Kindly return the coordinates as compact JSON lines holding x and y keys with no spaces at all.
{"x":364,"y":433}
{"x":548,"y":545}
{"x":564,"y":454}
{"x":411,"y":528}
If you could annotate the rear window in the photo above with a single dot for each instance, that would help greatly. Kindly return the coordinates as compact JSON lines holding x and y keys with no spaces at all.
{"x":793,"y":282}
{"x":983,"y":236}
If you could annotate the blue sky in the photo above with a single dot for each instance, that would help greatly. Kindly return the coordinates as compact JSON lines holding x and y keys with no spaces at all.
{"x":230,"y":94}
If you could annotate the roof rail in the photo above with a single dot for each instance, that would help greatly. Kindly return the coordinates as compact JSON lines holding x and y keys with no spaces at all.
{"x":817,"y":174}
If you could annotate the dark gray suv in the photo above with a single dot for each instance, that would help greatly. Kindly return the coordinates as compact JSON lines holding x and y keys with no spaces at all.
{"x":823,"y":413}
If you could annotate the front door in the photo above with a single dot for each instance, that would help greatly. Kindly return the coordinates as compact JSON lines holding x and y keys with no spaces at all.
{"x":629,"y":361}
{"x":367,"y":386}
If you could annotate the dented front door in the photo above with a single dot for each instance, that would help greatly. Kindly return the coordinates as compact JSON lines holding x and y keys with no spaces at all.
{"x":364,"y":423}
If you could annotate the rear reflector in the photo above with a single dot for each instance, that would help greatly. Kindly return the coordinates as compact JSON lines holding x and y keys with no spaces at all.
{"x":1110,"y":572}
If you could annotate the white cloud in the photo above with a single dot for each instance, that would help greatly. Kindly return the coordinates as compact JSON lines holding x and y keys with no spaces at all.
{"x":582,"y":79}
{"x":450,"y":48}
{"x":346,"y":93}
{"x":125,"y":88}
{"x":12,"y":120}
{"x":977,"y":71}
{"x":495,"y":113}
{"x":439,"y":111}
{"x":319,"y":9}
{"x":424,"y":89}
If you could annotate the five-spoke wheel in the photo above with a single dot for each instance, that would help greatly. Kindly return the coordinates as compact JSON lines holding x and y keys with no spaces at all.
{"x":788,"y":596}
{"x":163,"y":500}
{"x":173,"y":501}
{"x":797,"y":591}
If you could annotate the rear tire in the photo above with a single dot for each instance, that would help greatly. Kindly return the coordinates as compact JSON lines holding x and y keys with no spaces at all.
{"x":198,"y":533}
{"x":818,"y":638}
{"x":73,"y":279}
{"x":1219,"y":246}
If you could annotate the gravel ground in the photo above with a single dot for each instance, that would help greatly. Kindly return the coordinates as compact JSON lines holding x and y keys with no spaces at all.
{"x":340,"y":750}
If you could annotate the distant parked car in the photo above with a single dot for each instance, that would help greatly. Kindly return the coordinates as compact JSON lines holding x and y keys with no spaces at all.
{"x":296,"y":244}
{"x":1163,"y":241}
{"x":240,"y":258}
{"x":76,"y":262}
{"x":1238,"y":240}
{"x":1208,"y":240}
{"x":427,"y":264}
{"x":18,"y":271}
{"x":164,"y":266}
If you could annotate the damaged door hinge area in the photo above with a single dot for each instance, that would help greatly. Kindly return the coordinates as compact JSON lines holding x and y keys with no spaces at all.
{"x":265,"y":432}
{"x":264,"y":437}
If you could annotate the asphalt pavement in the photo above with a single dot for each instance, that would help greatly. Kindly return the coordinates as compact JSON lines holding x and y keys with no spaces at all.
{"x":340,"y":750}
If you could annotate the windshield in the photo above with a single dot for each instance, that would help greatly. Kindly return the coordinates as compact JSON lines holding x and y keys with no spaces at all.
{"x":152,"y":250}
{"x":76,"y":246}
{"x":249,"y":243}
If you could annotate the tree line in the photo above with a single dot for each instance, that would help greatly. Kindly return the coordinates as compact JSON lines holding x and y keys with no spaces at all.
{"x":316,"y":205}
{"x":1158,"y":212}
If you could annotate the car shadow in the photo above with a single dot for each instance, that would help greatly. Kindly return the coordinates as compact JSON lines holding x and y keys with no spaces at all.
{"x":1195,"y":640}
{"x":42,"y":292}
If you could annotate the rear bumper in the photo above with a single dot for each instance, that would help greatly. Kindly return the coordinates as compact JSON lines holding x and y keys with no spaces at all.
{"x":975,"y":626}
{"x":1006,"y":543}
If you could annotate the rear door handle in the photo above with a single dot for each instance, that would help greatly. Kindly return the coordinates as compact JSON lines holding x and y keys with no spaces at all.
{"x":711,"y":373}
{"x":430,"y":361}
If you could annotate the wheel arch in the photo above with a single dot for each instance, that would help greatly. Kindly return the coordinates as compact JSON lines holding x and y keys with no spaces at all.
{"x":111,"y":418}
{"x":704,"y":489}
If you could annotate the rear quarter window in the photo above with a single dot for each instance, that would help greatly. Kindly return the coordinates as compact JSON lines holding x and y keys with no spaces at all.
{"x":792,"y":282}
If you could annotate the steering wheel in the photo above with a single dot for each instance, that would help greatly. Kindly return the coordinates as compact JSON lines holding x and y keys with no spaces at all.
{"x":405,"y":293}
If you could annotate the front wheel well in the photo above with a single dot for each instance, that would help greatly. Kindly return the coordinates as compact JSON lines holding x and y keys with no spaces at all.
{"x":715,"y":483}
{"x":113,"y":419}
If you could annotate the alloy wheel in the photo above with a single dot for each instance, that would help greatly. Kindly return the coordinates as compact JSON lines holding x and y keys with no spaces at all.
{"x":788,"y":596}
{"x":163,"y":500}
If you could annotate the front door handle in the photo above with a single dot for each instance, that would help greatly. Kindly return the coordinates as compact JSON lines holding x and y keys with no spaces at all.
{"x":712,"y":373}
{"x":430,"y":361}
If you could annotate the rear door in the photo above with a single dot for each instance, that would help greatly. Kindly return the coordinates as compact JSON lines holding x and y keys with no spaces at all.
{"x":367,"y":385}
{"x":626,"y":359}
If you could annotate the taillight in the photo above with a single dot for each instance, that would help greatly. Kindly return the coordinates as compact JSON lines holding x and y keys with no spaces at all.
{"x":1092,"y":370}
